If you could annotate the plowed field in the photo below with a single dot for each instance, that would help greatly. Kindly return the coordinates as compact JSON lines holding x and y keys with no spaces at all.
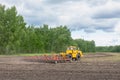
{"x":99,"y":66}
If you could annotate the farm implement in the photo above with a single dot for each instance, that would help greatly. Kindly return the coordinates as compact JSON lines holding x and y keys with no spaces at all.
{"x":49,"y":59}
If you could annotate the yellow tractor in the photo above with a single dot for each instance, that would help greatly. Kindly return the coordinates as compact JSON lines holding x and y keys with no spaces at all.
{"x":73,"y":53}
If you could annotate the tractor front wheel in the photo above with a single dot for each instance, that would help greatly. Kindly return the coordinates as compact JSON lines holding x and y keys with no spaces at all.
{"x":69,"y":56}
{"x":78,"y":57}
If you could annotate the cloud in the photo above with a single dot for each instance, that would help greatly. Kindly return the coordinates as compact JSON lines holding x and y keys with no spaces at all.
{"x":106,"y":25}
{"x":107,"y":14}
{"x":110,"y":10}
{"x":59,"y":1}
{"x":117,"y":27}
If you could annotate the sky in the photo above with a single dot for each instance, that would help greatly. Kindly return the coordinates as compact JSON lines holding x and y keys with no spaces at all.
{"x":97,"y":20}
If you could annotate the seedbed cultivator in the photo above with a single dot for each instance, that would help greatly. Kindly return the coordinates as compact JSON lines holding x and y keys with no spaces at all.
{"x":49,"y":59}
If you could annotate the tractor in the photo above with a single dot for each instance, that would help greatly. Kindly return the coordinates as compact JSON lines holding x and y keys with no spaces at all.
{"x":72,"y":53}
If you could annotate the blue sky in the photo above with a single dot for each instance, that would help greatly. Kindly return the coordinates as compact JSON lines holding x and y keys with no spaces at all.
{"x":97,"y":20}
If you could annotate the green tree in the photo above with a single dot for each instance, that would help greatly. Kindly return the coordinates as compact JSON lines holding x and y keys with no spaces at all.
{"x":11,"y":25}
{"x":85,"y":46}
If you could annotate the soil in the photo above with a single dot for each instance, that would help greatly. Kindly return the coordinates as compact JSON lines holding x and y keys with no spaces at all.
{"x":100,"y":66}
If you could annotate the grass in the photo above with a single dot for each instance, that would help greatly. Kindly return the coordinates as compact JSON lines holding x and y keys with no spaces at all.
{"x":28,"y":54}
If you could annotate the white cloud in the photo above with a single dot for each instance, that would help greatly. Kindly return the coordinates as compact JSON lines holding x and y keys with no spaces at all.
{"x":117,"y":27}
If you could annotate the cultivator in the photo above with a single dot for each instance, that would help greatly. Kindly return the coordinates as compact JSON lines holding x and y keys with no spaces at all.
{"x":49,"y":58}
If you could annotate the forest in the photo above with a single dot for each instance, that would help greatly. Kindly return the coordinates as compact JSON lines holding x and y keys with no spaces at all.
{"x":18,"y":37}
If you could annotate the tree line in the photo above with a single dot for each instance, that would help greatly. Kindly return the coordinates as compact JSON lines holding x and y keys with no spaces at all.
{"x":17,"y":37}
{"x":108,"y":48}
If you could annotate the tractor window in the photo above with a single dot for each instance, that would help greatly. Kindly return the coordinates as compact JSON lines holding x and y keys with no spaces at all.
{"x":70,"y":48}
{"x":74,"y":48}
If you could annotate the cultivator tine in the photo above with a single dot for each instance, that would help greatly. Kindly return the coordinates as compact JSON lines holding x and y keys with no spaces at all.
{"x":55,"y":57}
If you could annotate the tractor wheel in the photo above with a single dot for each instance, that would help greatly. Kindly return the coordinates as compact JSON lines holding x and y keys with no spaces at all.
{"x":78,"y":57}
{"x":69,"y":56}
